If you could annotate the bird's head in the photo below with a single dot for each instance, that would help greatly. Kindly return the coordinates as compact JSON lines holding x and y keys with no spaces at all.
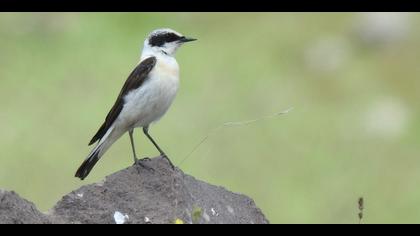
{"x":165,"y":41}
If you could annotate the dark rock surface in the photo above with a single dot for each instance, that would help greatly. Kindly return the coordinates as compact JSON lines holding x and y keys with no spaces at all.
{"x":16,"y":210}
{"x":138,"y":195}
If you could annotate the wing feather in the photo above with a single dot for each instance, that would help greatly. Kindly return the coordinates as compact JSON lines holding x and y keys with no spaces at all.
{"x":134,"y":81}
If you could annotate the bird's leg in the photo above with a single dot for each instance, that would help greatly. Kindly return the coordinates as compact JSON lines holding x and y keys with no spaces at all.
{"x":146,"y":132}
{"x":132,"y":145}
{"x":136,"y":160}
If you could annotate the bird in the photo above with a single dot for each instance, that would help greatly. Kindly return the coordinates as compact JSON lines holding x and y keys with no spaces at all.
{"x":144,"y":98}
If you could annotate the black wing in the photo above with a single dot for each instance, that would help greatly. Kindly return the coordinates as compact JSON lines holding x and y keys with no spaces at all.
{"x":134,"y":81}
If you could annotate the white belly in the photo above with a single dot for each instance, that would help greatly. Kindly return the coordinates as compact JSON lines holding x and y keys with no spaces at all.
{"x":150,"y":102}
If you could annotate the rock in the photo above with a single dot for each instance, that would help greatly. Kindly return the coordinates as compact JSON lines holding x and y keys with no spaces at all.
{"x":15,"y":210}
{"x":139,"y":195}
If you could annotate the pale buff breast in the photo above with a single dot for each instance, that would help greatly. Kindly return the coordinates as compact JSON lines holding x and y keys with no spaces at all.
{"x":167,"y":68}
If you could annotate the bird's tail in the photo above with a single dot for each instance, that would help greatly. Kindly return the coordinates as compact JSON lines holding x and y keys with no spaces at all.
{"x":89,"y":163}
{"x":95,"y":155}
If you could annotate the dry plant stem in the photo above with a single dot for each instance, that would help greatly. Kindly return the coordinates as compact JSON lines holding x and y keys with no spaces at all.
{"x":361,"y":207}
{"x":230,"y":124}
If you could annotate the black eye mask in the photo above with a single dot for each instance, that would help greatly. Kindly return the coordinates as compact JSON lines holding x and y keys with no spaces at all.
{"x":162,"y":38}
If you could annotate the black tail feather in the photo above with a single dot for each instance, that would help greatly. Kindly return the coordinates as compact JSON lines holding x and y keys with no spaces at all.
{"x":88,"y":164}
{"x":101,"y":132}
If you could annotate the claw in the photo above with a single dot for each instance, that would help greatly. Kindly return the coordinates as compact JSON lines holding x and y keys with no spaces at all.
{"x":141,"y":163}
{"x":169,"y":161}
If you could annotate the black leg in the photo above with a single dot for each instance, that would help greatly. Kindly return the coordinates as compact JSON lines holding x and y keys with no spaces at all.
{"x":146,"y":132}
{"x":136,"y":160}
{"x":132,"y":145}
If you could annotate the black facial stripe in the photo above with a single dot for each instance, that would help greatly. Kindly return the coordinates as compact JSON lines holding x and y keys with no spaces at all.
{"x":160,"y":39}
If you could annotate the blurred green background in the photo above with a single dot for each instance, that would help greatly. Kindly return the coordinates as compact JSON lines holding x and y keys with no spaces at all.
{"x":352,"y":79}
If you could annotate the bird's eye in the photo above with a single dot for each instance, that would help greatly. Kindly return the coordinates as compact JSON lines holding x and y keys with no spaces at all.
{"x":160,"y":39}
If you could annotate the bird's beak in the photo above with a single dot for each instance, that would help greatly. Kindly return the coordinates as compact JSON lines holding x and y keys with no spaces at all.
{"x":186,"y":39}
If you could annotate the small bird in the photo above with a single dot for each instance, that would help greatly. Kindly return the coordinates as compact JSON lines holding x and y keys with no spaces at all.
{"x":145,"y":97}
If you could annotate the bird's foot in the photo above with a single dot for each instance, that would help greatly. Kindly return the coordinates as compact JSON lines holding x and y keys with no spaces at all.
{"x":145,"y":159}
{"x":136,"y":160}
{"x":142,"y":163}
{"x":169,"y":161}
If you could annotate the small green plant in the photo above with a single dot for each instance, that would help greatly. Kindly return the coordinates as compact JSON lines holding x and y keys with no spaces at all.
{"x":196,"y":214}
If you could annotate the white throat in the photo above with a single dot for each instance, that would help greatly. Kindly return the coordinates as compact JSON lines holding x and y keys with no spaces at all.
{"x":161,"y":57}
{"x":168,"y":50}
